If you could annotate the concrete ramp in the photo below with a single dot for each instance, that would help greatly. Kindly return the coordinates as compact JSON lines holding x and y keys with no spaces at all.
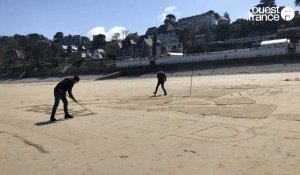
{"x":22,"y":74}
{"x":109,"y":76}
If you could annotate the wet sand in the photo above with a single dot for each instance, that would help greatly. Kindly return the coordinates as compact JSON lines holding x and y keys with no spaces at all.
{"x":241,"y":124}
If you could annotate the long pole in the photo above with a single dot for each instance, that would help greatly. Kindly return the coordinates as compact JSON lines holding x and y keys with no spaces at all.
{"x":80,"y":104}
{"x":191,"y":80}
{"x":84,"y":107}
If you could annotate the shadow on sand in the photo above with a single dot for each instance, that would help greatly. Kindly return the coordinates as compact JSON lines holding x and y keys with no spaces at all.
{"x":48,"y":122}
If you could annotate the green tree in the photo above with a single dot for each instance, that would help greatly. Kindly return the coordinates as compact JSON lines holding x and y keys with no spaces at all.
{"x":85,"y":39}
{"x":240,"y":28}
{"x":69,"y":50}
{"x":11,"y":62}
{"x":56,"y":50}
{"x":290,"y":34}
{"x":226,"y":15}
{"x":187,"y":36}
{"x":1,"y":54}
{"x":222,"y":32}
{"x":112,"y":50}
{"x":116,"y":36}
{"x":42,"y":51}
{"x":10,"y":45}
{"x":32,"y":40}
{"x":206,"y":33}
{"x":86,"y":43}
{"x":297,"y":2}
{"x":21,"y":39}
{"x":99,"y":41}
{"x":58,"y":37}
{"x":170,"y":19}
{"x":34,"y":37}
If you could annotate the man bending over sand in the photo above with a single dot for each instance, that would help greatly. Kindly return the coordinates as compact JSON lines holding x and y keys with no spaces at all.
{"x":60,"y":94}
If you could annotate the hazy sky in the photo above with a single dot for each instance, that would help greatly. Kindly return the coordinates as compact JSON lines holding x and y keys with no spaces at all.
{"x":87,"y":17}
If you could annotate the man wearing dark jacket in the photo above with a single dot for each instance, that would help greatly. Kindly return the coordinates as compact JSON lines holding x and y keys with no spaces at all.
{"x":162,"y":78}
{"x":60,"y":94}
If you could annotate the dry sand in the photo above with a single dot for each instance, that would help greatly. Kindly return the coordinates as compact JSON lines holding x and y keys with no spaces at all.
{"x":241,"y":124}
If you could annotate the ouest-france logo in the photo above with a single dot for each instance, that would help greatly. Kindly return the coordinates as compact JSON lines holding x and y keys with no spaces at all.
{"x":271,"y":14}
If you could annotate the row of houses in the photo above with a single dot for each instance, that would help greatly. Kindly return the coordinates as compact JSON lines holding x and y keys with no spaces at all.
{"x":164,"y":39}
{"x":74,"y":40}
{"x":156,"y":41}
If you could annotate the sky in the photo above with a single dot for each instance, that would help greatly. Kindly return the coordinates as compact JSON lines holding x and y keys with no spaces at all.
{"x":88,"y":17}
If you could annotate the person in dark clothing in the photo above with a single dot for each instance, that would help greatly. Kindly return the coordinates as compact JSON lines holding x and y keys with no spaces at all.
{"x":60,"y":94}
{"x":162,"y":78}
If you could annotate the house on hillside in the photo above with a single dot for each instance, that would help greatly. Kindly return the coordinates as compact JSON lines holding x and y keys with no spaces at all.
{"x":152,"y":34}
{"x":75,"y":40}
{"x":169,"y":37}
{"x":14,"y":56}
{"x":114,"y":49}
{"x":223,"y":21}
{"x":151,"y":31}
{"x":204,"y":20}
{"x":98,"y":54}
{"x":129,"y":45}
{"x":145,"y":46}
{"x":75,"y":45}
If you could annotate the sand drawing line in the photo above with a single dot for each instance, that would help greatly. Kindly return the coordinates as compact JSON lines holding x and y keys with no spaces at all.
{"x":265,"y":91}
{"x":34,"y":131}
{"x":236,"y":133}
{"x":46,"y":109}
{"x":213,"y":140}
{"x":280,"y":130}
{"x":27,"y":142}
{"x":159,"y":125}
{"x":211,"y":132}
{"x":252,"y":135}
{"x":218,"y":133}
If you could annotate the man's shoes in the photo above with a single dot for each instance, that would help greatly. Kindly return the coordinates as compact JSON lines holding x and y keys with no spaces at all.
{"x":53,"y":119}
{"x":68,"y":116}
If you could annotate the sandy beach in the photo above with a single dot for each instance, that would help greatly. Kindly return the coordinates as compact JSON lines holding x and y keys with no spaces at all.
{"x":235,"y":121}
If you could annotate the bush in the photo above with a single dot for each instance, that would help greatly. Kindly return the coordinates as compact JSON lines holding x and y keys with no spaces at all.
{"x":77,"y":63}
{"x":54,"y":62}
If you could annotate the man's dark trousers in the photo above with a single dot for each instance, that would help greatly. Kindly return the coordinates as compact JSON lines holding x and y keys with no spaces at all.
{"x":59,"y":96}
{"x":162,"y":86}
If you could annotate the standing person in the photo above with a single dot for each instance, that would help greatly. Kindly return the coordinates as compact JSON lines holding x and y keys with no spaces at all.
{"x":161,"y":79}
{"x":60,"y":94}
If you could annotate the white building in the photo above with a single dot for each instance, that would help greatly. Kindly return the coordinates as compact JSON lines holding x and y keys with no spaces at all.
{"x":278,"y":43}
